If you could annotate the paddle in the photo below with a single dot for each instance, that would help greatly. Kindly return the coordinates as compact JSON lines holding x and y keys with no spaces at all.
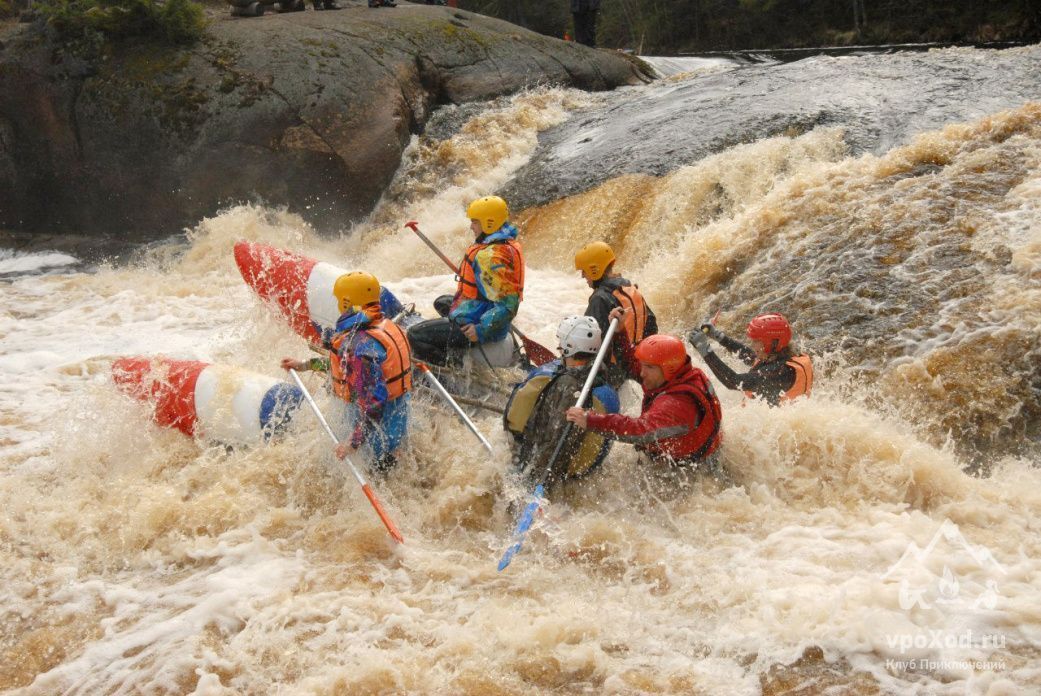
{"x":387,"y":522}
{"x":439,"y":388}
{"x":536,"y":352}
{"x":528,"y":516}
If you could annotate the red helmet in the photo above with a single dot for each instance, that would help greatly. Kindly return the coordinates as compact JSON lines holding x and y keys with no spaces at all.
{"x":667,"y":352}
{"x":772,"y":329}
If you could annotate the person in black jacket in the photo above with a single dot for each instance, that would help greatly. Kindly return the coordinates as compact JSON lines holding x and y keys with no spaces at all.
{"x":778,"y":373}
{"x":596,"y":262}
{"x":584,"y":14}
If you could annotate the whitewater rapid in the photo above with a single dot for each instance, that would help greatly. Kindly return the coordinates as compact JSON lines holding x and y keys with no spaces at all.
{"x":849,"y":547}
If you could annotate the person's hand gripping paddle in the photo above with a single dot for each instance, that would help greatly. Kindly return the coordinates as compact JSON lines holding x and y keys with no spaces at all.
{"x":528,"y":515}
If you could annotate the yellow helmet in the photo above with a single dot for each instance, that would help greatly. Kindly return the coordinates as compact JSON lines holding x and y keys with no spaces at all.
{"x":356,"y":289}
{"x":491,"y":211}
{"x":593,"y":260}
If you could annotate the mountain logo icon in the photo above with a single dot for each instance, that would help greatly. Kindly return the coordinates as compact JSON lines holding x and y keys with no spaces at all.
{"x":924,"y":586}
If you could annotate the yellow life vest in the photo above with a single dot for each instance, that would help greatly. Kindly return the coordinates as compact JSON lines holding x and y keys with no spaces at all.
{"x":522,"y":405}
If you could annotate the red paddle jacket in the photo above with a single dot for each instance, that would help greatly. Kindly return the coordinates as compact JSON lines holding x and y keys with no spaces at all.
{"x":679,"y":421}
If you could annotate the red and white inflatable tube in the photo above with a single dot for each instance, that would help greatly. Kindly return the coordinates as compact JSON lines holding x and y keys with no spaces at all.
{"x":301,"y":288}
{"x":216,"y":402}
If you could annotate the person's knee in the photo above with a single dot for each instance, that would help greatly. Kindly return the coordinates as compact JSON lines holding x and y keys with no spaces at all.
{"x":421,"y":335}
{"x":443,"y":305}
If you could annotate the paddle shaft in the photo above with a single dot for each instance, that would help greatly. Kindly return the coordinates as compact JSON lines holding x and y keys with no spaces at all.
{"x":598,"y":361}
{"x":583,"y":395}
{"x":439,"y":388}
{"x":414,"y":226}
{"x":528,"y":516}
{"x":366,"y":489}
{"x":321,"y":419}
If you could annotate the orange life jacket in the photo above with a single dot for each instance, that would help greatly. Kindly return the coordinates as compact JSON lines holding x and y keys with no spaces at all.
{"x":803,"y":377}
{"x":341,"y":387}
{"x":466,"y":282}
{"x":635,"y":321}
{"x":396,"y":367}
{"x":803,"y":384}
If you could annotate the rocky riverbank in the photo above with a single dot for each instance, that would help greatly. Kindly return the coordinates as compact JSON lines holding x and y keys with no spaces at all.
{"x":311,"y":110}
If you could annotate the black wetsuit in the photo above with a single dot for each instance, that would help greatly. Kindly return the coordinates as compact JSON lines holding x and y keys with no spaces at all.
{"x":601,"y":302}
{"x":546,"y":425}
{"x":767,"y":380}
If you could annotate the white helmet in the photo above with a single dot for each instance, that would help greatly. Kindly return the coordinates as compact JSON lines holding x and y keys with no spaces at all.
{"x":578,"y":335}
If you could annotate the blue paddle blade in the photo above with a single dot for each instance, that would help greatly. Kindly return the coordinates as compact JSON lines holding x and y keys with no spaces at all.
{"x":523,"y":526}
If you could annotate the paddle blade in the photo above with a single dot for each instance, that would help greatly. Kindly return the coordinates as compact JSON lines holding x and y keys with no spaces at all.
{"x":537,"y":353}
{"x":387,"y":522}
{"x":523,"y":526}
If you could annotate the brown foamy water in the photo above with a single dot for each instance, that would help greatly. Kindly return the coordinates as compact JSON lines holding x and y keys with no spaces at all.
{"x":847,"y":543}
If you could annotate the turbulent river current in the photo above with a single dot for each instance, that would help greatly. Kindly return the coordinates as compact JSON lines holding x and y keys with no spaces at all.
{"x":879,"y":537}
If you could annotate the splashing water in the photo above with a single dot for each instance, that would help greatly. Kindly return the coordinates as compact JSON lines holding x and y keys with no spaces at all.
{"x":919,"y":266}
{"x":135,"y":560}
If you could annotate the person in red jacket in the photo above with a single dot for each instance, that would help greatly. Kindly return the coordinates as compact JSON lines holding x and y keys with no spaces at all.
{"x":680,"y":420}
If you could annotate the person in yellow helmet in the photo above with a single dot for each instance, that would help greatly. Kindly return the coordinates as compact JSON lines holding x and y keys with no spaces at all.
{"x":489,"y":290}
{"x":596,"y":262}
{"x":370,"y":365}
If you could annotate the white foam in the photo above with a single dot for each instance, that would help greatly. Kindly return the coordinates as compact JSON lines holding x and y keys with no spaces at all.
{"x":667,"y":66}
{"x":16,"y":262}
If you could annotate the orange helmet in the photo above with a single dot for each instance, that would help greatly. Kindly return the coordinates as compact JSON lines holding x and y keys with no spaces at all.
{"x":665,"y":351}
{"x":772,"y":329}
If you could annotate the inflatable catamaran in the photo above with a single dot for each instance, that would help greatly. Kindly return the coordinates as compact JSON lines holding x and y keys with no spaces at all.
{"x":300,"y":288}
{"x":214,"y":402}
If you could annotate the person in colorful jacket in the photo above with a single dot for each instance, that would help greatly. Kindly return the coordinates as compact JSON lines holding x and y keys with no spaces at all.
{"x":680,"y":419}
{"x":596,"y":262}
{"x":778,"y":373}
{"x":489,"y":290}
{"x":370,"y":366}
{"x":533,"y":411}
